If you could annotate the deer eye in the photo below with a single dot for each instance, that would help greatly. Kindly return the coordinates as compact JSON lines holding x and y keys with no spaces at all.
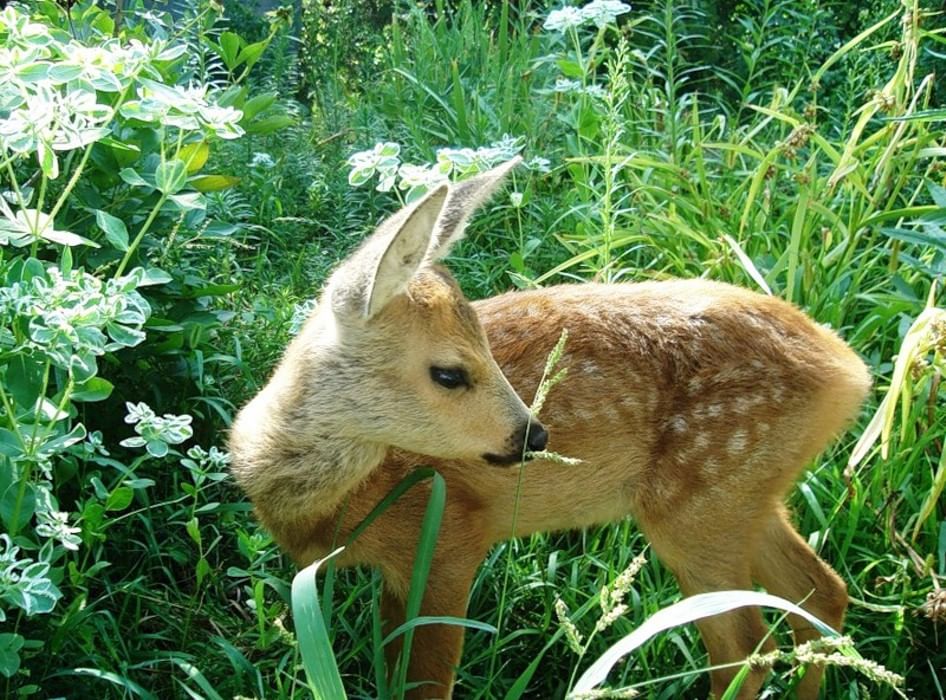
{"x":450,"y":377}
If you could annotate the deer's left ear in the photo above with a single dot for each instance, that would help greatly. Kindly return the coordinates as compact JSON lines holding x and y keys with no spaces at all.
{"x":464,"y":199}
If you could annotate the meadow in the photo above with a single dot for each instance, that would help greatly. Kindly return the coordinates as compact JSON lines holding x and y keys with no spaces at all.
{"x":177,"y":180}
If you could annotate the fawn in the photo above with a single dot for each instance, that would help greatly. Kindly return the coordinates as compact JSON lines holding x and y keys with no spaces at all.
{"x":693,"y":406}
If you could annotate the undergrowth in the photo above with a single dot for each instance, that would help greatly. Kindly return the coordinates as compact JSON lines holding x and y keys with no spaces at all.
{"x":792,"y":147}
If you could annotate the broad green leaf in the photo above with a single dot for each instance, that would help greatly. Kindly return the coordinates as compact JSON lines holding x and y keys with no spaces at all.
{"x":10,"y":645}
{"x":255,"y":105}
{"x":194,"y":155}
{"x":114,"y":229}
{"x":153,"y":275}
{"x":95,"y":389}
{"x":17,"y":505}
{"x":62,"y":73}
{"x":120,"y":498}
{"x":230,"y":44}
{"x":170,"y":176}
{"x":24,"y":380}
{"x":10,"y":444}
{"x":133,"y":178}
{"x":268,"y":125}
{"x":214,"y":183}
{"x":193,"y":530}
{"x":33,"y":72}
{"x":251,"y":53}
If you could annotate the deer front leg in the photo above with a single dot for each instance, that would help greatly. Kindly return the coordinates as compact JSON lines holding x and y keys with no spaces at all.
{"x":435,"y":650}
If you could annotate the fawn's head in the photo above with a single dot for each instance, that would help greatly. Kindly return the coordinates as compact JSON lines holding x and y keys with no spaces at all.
{"x":397,"y":351}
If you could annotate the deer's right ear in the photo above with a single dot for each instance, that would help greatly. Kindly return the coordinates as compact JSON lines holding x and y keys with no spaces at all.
{"x":381,"y":268}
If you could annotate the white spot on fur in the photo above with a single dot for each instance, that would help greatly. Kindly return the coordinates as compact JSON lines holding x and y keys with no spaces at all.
{"x":678,"y":424}
{"x":762,"y":427}
{"x":701,"y":441}
{"x":737,"y":442}
{"x":714,"y":410}
{"x":588,"y":367}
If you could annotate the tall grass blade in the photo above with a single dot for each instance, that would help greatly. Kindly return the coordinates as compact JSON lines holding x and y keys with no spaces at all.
{"x":687,"y":610}
{"x":321,"y":669}
{"x":430,"y":529}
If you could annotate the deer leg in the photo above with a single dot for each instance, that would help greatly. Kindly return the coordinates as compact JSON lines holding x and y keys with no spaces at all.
{"x":787,"y":567}
{"x":715,"y":559}
{"x":436,"y":648}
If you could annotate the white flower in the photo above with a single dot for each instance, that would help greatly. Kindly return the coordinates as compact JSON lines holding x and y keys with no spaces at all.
{"x":262,"y":160}
{"x":604,"y":12}
{"x":566,"y":85}
{"x":563,"y":20}
{"x":55,"y":525}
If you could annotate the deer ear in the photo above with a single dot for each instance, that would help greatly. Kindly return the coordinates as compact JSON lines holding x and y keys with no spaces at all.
{"x":464,"y":199}
{"x":381,"y":268}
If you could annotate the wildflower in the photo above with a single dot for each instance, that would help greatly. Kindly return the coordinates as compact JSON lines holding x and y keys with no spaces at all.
{"x":604,"y":12}
{"x":563,"y":20}
{"x":571,"y":632}
{"x":262,"y":160}
{"x":55,"y":525}
{"x":935,"y":606}
{"x":300,"y":313}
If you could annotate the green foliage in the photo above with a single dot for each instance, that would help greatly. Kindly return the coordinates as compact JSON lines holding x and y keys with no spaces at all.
{"x":103,"y":145}
{"x":165,"y":205}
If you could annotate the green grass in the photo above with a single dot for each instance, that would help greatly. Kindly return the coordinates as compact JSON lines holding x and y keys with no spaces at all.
{"x":723,"y":163}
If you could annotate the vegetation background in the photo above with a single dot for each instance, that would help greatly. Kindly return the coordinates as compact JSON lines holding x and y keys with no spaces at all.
{"x":177,"y":179}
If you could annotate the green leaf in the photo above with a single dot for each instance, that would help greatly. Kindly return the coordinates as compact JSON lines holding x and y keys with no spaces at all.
{"x":251,"y":53}
{"x":214,"y":183}
{"x":153,"y":275}
{"x":114,"y":228}
{"x":48,"y":162}
{"x":10,"y":445}
{"x":120,"y":498}
{"x":10,"y":645}
{"x":321,"y":669}
{"x":257,"y":104}
{"x":268,"y":125}
{"x":193,"y":530}
{"x":17,"y":505}
{"x":229,"y":49}
{"x":687,"y":610}
{"x":32,"y":72}
{"x":95,"y":389}
{"x":938,"y":193}
{"x":24,"y":379}
{"x":62,"y":73}
{"x":170,"y":176}
{"x":133,"y":178}
{"x":203,"y":569}
{"x":194,"y":155}
{"x":157,"y":448}
{"x":570,"y":69}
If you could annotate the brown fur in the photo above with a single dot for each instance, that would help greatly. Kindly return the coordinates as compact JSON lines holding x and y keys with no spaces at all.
{"x":693,"y":405}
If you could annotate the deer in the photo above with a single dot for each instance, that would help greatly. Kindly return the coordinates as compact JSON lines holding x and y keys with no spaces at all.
{"x":692,"y":405}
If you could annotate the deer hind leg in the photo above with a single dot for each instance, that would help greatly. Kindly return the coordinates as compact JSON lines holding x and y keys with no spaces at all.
{"x":787,"y":567}
{"x":707,"y":542}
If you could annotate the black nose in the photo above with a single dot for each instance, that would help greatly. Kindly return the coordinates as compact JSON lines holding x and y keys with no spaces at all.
{"x":538,"y":437}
